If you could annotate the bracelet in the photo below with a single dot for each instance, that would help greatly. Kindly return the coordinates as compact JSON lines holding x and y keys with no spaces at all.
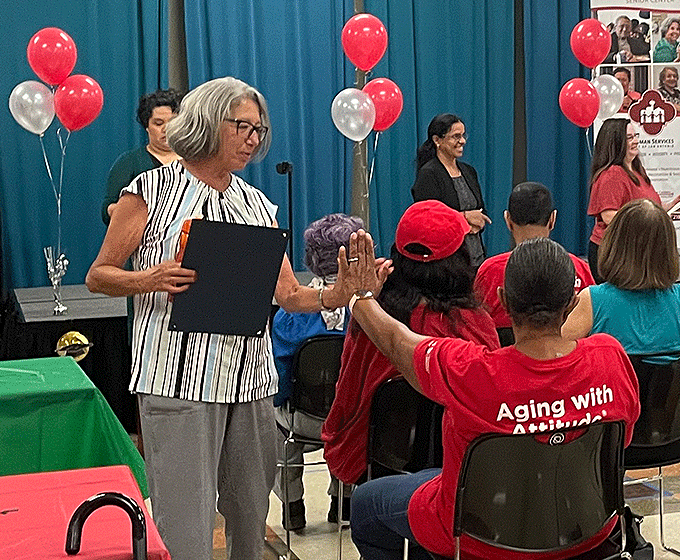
{"x":361,"y":294}
{"x":321,"y":290}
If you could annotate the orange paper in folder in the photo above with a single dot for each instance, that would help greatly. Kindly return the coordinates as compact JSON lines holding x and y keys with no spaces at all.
{"x":183,"y":237}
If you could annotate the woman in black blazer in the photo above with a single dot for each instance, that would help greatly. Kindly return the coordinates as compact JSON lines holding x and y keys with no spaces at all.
{"x":441,"y":176}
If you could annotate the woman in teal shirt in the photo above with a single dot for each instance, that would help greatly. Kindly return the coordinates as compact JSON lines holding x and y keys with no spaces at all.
{"x":666,"y":49}
{"x":639,"y":303}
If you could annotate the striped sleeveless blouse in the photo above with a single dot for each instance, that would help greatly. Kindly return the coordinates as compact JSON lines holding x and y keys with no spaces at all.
{"x":193,"y":366}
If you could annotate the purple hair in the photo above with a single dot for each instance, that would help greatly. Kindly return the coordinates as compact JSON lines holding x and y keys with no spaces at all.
{"x":324,"y":237}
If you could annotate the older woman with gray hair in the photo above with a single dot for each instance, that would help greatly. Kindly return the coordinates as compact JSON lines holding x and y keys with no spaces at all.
{"x":668,"y":48}
{"x":323,"y":239}
{"x":205,"y":399}
{"x":668,"y":86}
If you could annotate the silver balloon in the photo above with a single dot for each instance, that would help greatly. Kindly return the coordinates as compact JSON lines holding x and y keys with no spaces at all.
{"x":611,"y":95}
{"x":32,"y":106}
{"x":353,"y":113}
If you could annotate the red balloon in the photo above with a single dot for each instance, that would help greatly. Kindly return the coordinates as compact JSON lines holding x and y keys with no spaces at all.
{"x":364,"y":40}
{"x":78,"y":101}
{"x":579,"y":102}
{"x":590,"y":42}
{"x":388,"y":101}
{"x":52,"y":55}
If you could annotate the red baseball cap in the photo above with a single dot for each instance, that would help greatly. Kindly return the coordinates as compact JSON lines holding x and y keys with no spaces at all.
{"x":434,"y":225}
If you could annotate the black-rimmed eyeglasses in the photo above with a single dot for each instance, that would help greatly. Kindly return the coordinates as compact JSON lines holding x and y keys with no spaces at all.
{"x":246,"y":129}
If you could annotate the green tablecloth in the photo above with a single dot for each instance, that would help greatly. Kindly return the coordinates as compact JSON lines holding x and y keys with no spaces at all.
{"x":53,"y":418}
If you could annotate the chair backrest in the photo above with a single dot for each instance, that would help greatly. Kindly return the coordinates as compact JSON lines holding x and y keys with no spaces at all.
{"x":316,"y":366}
{"x":401,"y":428}
{"x":656,"y":438}
{"x":541,"y":492}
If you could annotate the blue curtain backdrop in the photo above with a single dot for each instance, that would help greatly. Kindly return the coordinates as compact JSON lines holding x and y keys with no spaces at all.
{"x":117,"y":45}
{"x":445,"y":57}
{"x":557,"y":154}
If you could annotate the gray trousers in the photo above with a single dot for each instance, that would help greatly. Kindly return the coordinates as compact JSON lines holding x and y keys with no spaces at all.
{"x":197,"y":452}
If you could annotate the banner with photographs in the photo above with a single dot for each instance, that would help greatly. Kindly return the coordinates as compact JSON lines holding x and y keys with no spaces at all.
{"x":645,"y":58}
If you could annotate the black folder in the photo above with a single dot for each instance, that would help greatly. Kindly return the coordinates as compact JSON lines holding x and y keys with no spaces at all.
{"x":237,"y":268}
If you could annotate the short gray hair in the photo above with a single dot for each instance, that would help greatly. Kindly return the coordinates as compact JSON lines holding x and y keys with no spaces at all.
{"x":667,"y":23}
{"x":194,"y":133}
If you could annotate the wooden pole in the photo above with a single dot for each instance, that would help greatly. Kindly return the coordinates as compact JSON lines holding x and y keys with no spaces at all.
{"x":360,"y":199}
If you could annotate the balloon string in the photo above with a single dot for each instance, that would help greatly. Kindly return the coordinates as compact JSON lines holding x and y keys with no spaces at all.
{"x":590,"y":150}
{"x":375,"y":148}
{"x":47,"y":166}
{"x":62,"y":146}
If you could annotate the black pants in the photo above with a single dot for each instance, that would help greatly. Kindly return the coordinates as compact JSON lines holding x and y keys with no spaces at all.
{"x":592,"y":261}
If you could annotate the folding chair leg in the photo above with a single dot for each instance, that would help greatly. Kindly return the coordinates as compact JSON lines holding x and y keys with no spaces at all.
{"x":663,"y":543}
{"x":286,"y":505}
{"x":341,"y":524}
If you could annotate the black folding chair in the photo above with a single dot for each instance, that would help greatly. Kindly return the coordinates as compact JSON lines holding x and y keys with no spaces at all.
{"x":316,"y":366}
{"x":656,"y":438}
{"x":404,"y":434}
{"x":542,"y":493}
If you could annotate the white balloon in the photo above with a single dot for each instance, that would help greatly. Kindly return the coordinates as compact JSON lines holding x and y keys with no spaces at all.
{"x":32,"y":106}
{"x":353,"y":113}
{"x":611,"y":95}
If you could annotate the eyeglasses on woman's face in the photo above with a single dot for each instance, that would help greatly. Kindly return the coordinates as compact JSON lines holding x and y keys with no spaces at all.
{"x":246,"y":129}
{"x":457,"y":137}
{"x":631,"y":137}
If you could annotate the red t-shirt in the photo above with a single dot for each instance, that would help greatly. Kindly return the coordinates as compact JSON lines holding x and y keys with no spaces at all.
{"x":491,"y":275}
{"x":364,"y":368}
{"x":612,"y":189}
{"x":505,"y":391}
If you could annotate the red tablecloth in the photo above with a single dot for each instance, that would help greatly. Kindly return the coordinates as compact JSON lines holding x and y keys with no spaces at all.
{"x":35,"y":510}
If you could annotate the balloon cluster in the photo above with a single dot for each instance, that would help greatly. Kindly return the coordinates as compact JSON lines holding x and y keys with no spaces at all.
{"x":78,"y":99}
{"x":581,"y":100}
{"x":377,"y":106}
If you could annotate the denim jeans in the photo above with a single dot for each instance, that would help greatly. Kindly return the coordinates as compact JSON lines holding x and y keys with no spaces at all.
{"x":379,"y":517}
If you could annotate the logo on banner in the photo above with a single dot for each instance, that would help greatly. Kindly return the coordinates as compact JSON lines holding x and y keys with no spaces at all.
{"x":651,"y":112}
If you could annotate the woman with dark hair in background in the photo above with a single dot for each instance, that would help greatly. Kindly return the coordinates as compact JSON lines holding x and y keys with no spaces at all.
{"x":617,"y":177}
{"x":484,"y":391}
{"x":153,"y":112}
{"x":639,"y":303}
{"x":441,"y":176}
{"x":430,"y":290}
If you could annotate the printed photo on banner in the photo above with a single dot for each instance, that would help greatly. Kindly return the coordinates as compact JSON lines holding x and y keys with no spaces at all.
{"x":634,"y":81}
{"x":645,"y":59}
{"x":629,"y":30}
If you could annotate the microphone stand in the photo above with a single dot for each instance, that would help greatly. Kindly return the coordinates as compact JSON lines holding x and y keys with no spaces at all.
{"x":286,"y":168}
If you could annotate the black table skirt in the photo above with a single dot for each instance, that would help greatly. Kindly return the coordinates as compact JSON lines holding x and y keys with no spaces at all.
{"x":107,"y":364}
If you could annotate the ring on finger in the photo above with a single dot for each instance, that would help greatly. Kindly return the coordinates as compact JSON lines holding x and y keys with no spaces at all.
{"x":353,"y":259}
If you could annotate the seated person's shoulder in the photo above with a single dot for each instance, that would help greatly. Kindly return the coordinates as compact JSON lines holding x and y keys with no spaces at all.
{"x":601,"y":341}
{"x":493,"y":264}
